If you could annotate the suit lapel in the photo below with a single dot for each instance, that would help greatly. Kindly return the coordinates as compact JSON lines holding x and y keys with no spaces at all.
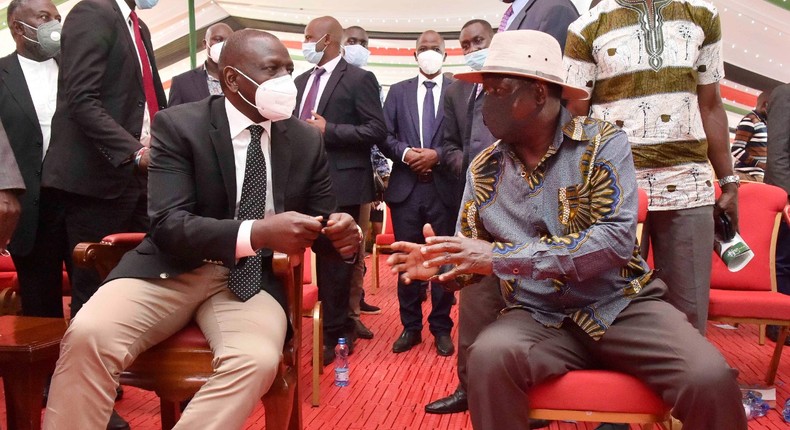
{"x":14,"y":79}
{"x":301,"y":83}
{"x":281,"y":162}
{"x":516,"y":24}
{"x":440,"y":112}
{"x":199,"y":81}
{"x":334,"y":78}
{"x":412,"y":105}
{"x":220,"y":138}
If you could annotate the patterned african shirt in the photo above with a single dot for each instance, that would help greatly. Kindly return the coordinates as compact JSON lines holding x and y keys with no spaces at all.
{"x":214,"y":87}
{"x":564,"y":234}
{"x":750,"y":148}
{"x":643,"y":66}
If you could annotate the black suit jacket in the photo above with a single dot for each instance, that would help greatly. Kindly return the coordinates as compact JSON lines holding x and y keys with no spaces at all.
{"x":192,"y":191}
{"x":101,"y":102}
{"x":24,"y":134}
{"x":188,"y":87}
{"x":355,"y":122}
{"x":403,"y":131}
{"x":549,"y":16}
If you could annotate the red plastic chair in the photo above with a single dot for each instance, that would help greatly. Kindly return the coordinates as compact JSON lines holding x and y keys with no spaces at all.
{"x":382,"y":244}
{"x":749,"y":295}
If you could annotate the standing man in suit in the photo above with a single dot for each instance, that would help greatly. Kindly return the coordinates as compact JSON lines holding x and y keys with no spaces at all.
{"x":342,"y":101}
{"x":109,"y":91}
{"x":28,"y":93}
{"x":549,"y":16}
{"x":202,"y":81}
{"x":11,"y":185}
{"x":420,"y":190}
{"x":205,"y":259}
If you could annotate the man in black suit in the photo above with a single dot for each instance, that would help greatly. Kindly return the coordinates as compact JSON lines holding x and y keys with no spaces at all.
{"x":205,"y":259}
{"x":202,"y":81}
{"x":109,"y":91}
{"x":549,"y":16}
{"x":342,"y":101}
{"x":420,"y":190}
{"x":11,"y":185}
{"x":28,"y":90}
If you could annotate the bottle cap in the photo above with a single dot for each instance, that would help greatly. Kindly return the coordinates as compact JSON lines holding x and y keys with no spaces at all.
{"x":341,"y":341}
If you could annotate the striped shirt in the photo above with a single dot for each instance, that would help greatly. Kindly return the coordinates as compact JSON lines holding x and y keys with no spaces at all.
{"x":749,"y":150}
{"x":643,"y":66}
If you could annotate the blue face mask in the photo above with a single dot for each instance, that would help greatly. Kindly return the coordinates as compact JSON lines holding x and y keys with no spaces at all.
{"x":356,"y":54}
{"x":475,"y":60}
{"x":146,"y":4}
{"x":310,"y":54}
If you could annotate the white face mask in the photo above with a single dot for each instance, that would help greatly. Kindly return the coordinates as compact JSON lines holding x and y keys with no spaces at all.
{"x":475,"y":60}
{"x":215,"y":50}
{"x":430,"y":61}
{"x":146,"y":4}
{"x":309,"y":52}
{"x":356,"y":54}
{"x":275,"y":99}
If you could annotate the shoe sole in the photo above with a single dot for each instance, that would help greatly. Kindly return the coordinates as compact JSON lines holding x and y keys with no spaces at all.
{"x":370,"y":312}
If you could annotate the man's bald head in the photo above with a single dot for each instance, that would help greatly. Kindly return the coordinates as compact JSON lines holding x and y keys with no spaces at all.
{"x":327,"y":33}
{"x":218,"y":32}
{"x":430,"y":38}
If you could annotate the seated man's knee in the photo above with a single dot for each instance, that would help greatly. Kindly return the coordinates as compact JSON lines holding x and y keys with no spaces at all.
{"x":491,"y":352}
{"x":257,"y":360}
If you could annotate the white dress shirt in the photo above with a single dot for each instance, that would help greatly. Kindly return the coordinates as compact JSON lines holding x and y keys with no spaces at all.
{"x":42,"y":83}
{"x":329,"y":67}
{"x":240,"y":137}
{"x":126,"y":11}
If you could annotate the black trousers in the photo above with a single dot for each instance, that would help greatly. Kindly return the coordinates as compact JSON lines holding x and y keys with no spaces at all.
{"x":89,"y":219}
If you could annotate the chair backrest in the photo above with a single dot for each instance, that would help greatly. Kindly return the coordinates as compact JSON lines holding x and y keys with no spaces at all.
{"x":641,"y":215}
{"x":387,"y":228}
{"x":759,"y":206}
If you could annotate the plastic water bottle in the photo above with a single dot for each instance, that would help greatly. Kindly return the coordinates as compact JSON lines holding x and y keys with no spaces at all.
{"x":754,"y":405}
{"x":786,"y":411}
{"x":341,"y":363}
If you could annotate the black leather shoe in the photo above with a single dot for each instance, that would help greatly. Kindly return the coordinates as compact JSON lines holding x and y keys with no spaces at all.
{"x":444,"y":345}
{"x":406,"y":341}
{"x":362,"y":331}
{"x":451,"y":404}
{"x":116,"y":422}
{"x":367,"y":308}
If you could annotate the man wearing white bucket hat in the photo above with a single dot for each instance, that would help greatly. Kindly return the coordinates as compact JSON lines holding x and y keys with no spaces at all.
{"x":550,"y":209}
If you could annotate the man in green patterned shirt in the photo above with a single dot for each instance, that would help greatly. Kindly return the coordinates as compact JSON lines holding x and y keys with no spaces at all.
{"x":653,"y":67}
{"x":550,"y":209}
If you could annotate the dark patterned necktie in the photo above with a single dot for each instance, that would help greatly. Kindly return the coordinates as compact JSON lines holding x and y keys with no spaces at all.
{"x":428,"y":114}
{"x":245,"y":278}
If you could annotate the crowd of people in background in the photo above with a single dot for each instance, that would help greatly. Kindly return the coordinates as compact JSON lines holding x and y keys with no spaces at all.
{"x":514,"y":183}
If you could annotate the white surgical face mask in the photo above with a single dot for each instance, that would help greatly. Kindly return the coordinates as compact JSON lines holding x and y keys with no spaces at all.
{"x":309,"y":52}
{"x":356,"y":54}
{"x":215,"y":50}
{"x":146,"y":4}
{"x":275,"y":99}
{"x":430,"y":61}
{"x":475,"y":60}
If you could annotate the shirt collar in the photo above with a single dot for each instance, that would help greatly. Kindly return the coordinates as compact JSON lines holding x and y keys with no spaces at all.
{"x":126,"y":11}
{"x":437,"y":80}
{"x":330,"y":66}
{"x":34,"y":63}
{"x":239,"y":122}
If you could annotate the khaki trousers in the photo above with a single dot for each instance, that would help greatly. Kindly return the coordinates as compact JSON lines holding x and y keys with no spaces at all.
{"x":127,"y":316}
{"x":650,"y":340}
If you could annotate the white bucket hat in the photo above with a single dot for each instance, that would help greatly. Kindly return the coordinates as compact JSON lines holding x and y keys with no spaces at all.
{"x":528,"y":54}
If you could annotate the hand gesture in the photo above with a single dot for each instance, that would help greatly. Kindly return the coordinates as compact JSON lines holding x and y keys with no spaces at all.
{"x":344,"y":234}
{"x":409,"y":259}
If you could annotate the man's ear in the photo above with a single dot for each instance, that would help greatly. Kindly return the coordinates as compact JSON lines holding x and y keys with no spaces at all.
{"x":541,"y":91}
{"x":230,"y":75}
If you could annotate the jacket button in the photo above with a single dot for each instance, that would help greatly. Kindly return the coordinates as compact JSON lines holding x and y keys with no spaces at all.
{"x":136,"y":135}
{"x":164,"y":275}
{"x":140,"y":104}
{"x":38,"y":173}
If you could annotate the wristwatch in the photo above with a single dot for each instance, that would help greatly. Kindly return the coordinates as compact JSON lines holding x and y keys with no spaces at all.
{"x":732,"y":179}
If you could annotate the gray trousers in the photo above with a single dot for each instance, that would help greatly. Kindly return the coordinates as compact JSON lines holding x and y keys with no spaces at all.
{"x":682,"y":244}
{"x":479,"y":306}
{"x":650,"y":340}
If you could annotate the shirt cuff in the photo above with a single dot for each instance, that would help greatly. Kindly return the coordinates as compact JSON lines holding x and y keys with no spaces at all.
{"x":244,"y":240}
{"x":403,"y":156}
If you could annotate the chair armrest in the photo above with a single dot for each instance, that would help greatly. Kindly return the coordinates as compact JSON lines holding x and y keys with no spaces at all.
{"x":105,"y":255}
{"x":786,"y":212}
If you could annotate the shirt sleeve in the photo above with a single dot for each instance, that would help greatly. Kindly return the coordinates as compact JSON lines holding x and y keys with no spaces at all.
{"x":600,"y":236}
{"x":244,"y":240}
{"x":710,"y":62}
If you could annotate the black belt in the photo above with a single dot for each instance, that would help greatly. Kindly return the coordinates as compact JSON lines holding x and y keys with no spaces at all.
{"x":425,"y":177}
